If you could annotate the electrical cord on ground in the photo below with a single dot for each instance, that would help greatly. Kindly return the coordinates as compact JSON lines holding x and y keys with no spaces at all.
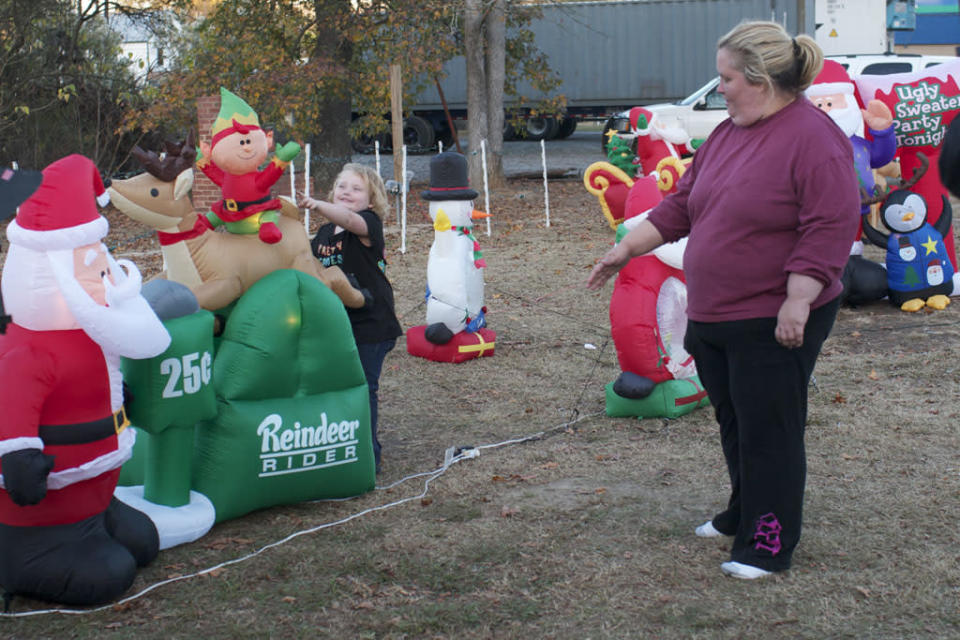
{"x":452,"y":456}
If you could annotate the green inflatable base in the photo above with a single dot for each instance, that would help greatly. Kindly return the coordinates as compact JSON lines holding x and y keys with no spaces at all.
{"x":293,"y":410}
{"x":274,"y":411}
{"x":670,"y":399}
{"x":133,"y":470}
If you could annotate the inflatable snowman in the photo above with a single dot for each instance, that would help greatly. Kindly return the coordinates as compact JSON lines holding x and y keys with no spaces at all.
{"x":456,"y":316}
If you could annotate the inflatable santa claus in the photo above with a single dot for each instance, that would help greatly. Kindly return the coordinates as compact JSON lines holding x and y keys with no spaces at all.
{"x":835,"y":94}
{"x":648,"y":319}
{"x":659,"y":147}
{"x":63,"y":434}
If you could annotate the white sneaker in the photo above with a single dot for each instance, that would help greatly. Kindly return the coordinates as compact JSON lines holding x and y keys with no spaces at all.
{"x":707,"y":530}
{"x":743,"y":571}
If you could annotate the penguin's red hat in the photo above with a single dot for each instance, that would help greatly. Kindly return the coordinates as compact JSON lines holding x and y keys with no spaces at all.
{"x":62,"y":213}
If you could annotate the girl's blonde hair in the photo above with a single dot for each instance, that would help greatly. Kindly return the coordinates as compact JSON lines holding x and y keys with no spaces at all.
{"x":375,"y":186}
{"x":766,"y":54}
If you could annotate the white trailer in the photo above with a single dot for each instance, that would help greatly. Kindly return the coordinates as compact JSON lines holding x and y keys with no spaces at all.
{"x":851,"y":26}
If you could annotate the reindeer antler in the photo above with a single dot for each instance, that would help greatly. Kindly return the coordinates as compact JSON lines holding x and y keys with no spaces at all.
{"x":866,"y":199}
{"x":179,"y":157}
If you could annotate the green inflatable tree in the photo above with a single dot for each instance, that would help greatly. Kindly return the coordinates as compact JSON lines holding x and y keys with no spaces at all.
{"x":620,"y":154}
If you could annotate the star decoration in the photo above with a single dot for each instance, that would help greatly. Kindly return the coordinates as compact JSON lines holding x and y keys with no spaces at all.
{"x":930,"y":245}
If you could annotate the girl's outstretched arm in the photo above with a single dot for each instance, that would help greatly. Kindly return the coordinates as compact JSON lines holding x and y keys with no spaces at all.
{"x":337,"y":214}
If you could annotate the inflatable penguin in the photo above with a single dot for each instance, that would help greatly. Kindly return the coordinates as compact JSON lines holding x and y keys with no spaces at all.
{"x":919,"y":271}
{"x":456,"y":316}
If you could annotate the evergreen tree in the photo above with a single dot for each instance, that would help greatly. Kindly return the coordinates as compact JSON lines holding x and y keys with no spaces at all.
{"x":620,"y":154}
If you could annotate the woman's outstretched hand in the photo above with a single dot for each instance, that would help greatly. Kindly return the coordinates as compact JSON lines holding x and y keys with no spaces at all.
{"x":607,"y":266}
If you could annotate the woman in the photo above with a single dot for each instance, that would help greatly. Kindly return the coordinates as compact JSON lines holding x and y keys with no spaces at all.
{"x":769,"y":205}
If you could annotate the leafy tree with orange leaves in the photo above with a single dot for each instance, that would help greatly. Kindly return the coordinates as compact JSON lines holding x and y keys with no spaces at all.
{"x":308,"y":65}
{"x":304,"y":66}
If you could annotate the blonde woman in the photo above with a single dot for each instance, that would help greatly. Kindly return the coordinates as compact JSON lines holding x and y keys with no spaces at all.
{"x":769,"y":205}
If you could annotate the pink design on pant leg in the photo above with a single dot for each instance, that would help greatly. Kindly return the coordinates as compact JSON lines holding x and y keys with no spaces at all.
{"x":767,"y":534}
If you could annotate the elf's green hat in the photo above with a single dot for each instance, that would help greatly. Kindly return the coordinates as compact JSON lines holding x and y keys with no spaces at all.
{"x":235,"y":116}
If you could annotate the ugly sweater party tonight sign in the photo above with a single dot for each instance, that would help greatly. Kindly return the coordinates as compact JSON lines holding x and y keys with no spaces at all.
{"x":923,"y":103}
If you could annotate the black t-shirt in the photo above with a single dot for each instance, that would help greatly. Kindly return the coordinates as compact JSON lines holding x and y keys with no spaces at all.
{"x":372,"y":323}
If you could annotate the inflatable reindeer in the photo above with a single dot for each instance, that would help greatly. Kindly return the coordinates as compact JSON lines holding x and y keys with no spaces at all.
{"x":217,"y":267}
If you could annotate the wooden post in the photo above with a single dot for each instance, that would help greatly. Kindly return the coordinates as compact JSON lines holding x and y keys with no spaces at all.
{"x":446,"y":112}
{"x":396,"y":116}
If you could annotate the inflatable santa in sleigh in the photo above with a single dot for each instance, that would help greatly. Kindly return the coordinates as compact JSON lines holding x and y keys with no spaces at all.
{"x":648,"y":319}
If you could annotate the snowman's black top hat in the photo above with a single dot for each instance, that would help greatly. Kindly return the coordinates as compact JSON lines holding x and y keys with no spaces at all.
{"x":15,"y":187}
{"x":448,"y":178}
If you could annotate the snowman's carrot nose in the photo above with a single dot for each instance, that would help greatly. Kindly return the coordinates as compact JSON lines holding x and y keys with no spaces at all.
{"x":478,"y":215}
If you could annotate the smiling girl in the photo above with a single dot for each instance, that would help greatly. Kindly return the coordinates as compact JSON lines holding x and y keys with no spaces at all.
{"x":353,"y":240}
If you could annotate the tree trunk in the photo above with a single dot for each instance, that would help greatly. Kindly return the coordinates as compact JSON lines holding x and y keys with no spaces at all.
{"x":496,"y":71}
{"x":330,"y":142}
{"x":474,"y":53}
{"x":484,"y":31}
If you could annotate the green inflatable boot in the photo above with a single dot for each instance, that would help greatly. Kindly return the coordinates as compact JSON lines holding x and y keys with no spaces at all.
{"x":169,"y":395}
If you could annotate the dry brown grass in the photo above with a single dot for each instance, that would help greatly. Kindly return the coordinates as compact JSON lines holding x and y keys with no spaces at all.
{"x":586,"y":531}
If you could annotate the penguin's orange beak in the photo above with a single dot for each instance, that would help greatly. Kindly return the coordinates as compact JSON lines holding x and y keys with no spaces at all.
{"x":478,"y":215}
{"x":908,"y":216}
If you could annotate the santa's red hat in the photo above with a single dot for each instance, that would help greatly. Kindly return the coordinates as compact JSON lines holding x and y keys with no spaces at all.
{"x":62,"y":213}
{"x":635,"y":114}
{"x":831,"y":80}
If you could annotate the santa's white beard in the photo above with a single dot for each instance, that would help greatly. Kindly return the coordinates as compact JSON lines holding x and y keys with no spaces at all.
{"x":127,"y":326}
{"x":849,"y":119}
{"x":673,"y":135}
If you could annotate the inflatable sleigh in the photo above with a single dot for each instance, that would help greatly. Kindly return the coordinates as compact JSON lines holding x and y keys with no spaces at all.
{"x":648,"y":321}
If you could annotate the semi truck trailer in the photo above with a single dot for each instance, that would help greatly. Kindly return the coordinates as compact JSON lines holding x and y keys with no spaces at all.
{"x":609,"y":56}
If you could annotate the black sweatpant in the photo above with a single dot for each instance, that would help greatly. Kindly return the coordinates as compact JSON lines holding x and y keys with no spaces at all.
{"x":758,"y":389}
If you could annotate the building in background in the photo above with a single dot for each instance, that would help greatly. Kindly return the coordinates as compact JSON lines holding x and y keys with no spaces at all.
{"x":141,"y":43}
{"x":935,"y":26}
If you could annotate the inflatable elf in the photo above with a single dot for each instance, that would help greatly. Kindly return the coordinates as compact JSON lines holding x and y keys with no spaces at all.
{"x":232,"y":160}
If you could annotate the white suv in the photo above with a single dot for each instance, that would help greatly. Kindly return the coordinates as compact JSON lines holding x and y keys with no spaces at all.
{"x":706,"y":107}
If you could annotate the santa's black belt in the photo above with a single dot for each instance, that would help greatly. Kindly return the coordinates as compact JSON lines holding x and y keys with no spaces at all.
{"x":232,"y":205}
{"x":84,"y":432}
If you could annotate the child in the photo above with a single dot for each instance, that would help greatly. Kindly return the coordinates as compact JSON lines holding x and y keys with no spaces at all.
{"x":353,"y":241}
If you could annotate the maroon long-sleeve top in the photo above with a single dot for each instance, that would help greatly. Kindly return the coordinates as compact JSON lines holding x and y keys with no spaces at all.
{"x":758,"y":203}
